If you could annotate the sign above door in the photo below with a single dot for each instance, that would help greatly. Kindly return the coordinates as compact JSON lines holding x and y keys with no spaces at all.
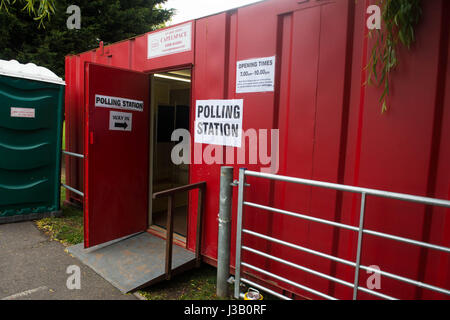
{"x":169,"y":41}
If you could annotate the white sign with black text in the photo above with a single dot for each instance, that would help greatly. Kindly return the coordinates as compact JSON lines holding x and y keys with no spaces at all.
{"x":118,"y":103}
{"x":169,"y":41}
{"x":219,"y":122}
{"x":120,"y":121}
{"x":255,"y":75}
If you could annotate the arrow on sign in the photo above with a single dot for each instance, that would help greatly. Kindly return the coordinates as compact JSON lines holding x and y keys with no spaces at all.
{"x":120,"y":121}
{"x":123,"y":125}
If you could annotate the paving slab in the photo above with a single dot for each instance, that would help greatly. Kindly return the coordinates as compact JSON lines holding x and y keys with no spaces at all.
{"x":34,"y":268}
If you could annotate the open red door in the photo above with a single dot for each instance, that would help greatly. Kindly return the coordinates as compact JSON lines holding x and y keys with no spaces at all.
{"x":116,"y":153}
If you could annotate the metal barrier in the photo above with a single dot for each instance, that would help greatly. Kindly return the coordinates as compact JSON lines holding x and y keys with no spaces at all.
{"x":360,"y":230}
{"x":75,"y":155}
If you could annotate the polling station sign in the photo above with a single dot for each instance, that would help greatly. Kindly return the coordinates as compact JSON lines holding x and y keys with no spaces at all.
{"x":255,"y":75}
{"x":118,"y":103}
{"x":219,"y":122}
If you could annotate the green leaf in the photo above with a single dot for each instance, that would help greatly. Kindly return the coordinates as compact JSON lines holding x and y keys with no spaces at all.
{"x":400,"y":17}
{"x":384,"y":107}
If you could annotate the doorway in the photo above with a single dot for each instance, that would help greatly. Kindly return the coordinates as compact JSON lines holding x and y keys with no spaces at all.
{"x":171,"y":105}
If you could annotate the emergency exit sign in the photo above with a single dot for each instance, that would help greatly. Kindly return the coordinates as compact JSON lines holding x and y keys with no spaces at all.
{"x":170,"y":41}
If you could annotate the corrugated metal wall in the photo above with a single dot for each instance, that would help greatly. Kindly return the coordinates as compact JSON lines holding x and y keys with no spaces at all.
{"x":331,"y":129}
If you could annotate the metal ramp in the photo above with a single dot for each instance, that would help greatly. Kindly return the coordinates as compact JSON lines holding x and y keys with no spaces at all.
{"x":143,"y":259}
{"x":134,"y":262}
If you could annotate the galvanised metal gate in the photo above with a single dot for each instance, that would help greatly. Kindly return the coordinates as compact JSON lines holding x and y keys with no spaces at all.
{"x":360,"y":230}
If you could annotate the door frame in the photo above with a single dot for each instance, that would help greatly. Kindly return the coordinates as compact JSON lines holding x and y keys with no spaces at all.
{"x":179,"y":240}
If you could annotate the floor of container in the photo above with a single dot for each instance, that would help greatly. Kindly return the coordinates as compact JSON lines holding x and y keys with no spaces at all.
{"x":179,"y":220}
{"x":134,"y":262}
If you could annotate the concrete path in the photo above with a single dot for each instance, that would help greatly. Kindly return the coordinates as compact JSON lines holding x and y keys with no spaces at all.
{"x":34,"y":268}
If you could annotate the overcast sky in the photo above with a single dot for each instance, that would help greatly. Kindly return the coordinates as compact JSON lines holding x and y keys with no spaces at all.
{"x":191,"y":9}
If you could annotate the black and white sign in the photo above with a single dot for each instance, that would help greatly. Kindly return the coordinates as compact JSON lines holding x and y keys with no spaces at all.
{"x":255,"y":75}
{"x":120,"y":121}
{"x":118,"y":103}
{"x":219,"y":122}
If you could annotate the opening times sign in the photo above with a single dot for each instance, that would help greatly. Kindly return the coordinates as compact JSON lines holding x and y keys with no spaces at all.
{"x":255,"y":75}
{"x":219,"y":122}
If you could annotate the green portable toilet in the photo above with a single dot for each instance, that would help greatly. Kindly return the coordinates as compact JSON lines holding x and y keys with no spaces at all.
{"x":31,"y":111}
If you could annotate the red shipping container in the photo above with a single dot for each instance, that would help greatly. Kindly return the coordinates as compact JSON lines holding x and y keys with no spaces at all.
{"x":330,"y":128}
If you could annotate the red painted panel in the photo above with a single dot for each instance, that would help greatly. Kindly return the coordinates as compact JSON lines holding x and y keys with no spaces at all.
{"x":119,"y":54}
{"x":116,"y":163}
{"x":396,"y":153}
{"x":69,"y":116}
{"x":74,"y":115}
{"x":258,"y":114}
{"x":435,"y":273}
{"x":296,"y":123}
{"x":208,"y":83}
{"x":350,"y":202}
{"x":435,"y":222}
{"x":310,"y":130}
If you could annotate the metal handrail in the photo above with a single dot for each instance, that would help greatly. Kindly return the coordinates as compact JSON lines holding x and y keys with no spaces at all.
{"x":73,"y":154}
{"x":360,"y":229}
{"x":348,"y":227}
{"x":76,"y":155}
{"x":170,"y":193}
{"x":342,"y":187}
{"x":72,"y":189}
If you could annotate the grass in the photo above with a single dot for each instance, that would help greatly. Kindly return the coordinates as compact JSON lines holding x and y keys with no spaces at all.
{"x":196,"y":284}
{"x":64,"y":136}
{"x":67,"y":229}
